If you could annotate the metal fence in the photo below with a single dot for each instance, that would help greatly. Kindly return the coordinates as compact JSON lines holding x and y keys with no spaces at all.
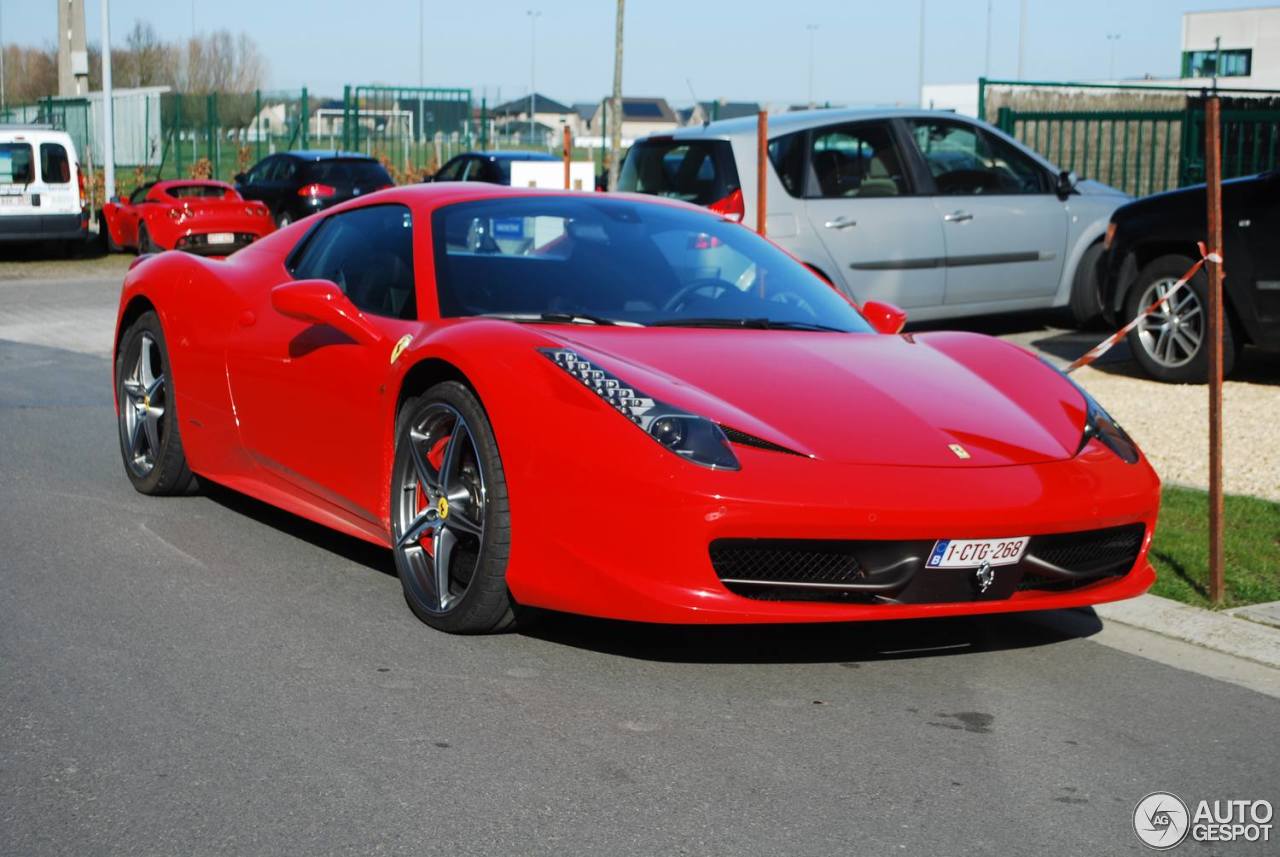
{"x":1140,"y":139}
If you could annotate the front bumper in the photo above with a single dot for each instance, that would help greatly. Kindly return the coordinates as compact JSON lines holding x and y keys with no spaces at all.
{"x":640,"y":548}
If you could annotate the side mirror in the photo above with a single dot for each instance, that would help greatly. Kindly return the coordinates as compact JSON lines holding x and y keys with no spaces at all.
{"x":241,"y":178}
{"x":322,"y":302}
{"x":883,"y":317}
{"x":1066,"y":184}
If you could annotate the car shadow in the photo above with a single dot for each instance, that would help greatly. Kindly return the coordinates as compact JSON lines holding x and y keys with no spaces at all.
{"x":350,"y":548}
{"x":849,"y":644}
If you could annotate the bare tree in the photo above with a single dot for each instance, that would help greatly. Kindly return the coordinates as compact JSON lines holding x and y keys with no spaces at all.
{"x":147,"y":60}
{"x":29,"y":73}
{"x":221,"y":62}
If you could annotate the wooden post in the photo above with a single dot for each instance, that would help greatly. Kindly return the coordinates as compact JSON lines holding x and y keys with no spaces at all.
{"x":762,"y":169}
{"x":1213,"y":189}
{"x":568,"y":152}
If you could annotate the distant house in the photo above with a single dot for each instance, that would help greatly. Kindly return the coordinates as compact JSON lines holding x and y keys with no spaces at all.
{"x":546,"y":111}
{"x":640,"y":118}
{"x":584,"y":111}
{"x":516,"y":132}
{"x":711,"y":111}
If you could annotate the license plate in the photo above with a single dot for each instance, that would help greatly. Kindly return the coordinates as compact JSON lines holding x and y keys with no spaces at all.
{"x":13,"y":199}
{"x":221,"y":238}
{"x":971,"y":553}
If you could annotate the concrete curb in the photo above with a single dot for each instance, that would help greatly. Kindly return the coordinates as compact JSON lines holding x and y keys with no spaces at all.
{"x":1217,"y":631}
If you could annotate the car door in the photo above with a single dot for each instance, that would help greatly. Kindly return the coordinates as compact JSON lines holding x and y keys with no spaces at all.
{"x":131,"y":214}
{"x":309,"y":399}
{"x":255,"y":181}
{"x":1005,"y":228}
{"x":862,"y":203}
{"x":61,"y":196}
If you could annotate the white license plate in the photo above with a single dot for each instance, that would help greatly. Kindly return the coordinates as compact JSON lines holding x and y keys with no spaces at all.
{"x":13,"y":199}
{"x":971,"y":553}
{"x":221,"y":238}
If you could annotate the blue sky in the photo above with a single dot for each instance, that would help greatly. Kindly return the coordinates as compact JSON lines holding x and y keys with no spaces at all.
{"x":865,"y":51}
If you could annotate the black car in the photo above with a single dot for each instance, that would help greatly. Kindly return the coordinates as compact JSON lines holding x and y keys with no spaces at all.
{"x":295,"y":184}
{"x":491,"y":167}
{"x":1152,"y":242}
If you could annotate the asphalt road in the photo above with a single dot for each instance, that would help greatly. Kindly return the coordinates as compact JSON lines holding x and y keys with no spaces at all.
{"x":206,"y":675}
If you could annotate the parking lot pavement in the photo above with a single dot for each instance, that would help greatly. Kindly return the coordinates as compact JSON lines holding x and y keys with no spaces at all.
{"x":204,"y":674}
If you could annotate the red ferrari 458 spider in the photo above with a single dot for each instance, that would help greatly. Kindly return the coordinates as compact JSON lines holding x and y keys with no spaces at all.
{"x":205,"y":217}
{"x":624,"y":407}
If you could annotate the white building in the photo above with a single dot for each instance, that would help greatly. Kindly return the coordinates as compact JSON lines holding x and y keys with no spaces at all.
{"x":1247,"y":56}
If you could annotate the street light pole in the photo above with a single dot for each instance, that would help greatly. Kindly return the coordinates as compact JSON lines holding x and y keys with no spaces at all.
{"x":812,"y":28}
{"x":615,"y":140}
{"x":920,"y":69}
{"x":1112,"y":38}
{"x":421,"y":47}
{"x":108,"y":123}
{"x":1022,"y":37}
{"x":986,"y":65}
{"x":533,"y":57}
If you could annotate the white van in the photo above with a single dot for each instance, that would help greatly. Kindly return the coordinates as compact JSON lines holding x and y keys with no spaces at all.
{"x":42,"y":192}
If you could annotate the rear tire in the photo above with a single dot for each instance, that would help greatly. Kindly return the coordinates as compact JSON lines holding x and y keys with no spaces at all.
{"x":1086,"y":298}
{"x":283,"y":219}
{"x":449,"y":500}
{"x":150,"y":441}
{"x":1171,"y":344}
{"x":145,"y":244}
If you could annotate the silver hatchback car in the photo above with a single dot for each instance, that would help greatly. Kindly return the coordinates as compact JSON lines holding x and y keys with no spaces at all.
{"x":940,"y":214}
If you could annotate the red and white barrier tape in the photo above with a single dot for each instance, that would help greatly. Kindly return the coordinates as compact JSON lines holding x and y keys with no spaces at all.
{"x":1105,"y":345}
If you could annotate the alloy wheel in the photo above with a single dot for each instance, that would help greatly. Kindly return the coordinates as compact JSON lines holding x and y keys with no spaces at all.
{"x":439,"y":514}
{"x":1171,"y":335}
{"x":143,"y":403}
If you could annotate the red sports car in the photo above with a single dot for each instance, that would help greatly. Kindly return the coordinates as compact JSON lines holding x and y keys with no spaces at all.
{"x":624,"y":407}
{"x":199,"y":216}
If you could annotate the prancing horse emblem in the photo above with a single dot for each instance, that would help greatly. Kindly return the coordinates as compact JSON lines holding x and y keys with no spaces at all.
{"x":984,"y":576}
{"x":959,"y":450}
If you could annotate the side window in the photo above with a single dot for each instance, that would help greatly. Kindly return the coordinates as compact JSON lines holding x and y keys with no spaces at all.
{"x":140,"y":194}
{"x":452,"y":171}
{"x":855,"y":161}
{"x":261,"y":171}
{"x":368,"y":252}
{"x":286,"y":170}
{"x":787,"y":155}
{"x":478,"y":171}
{"x":55,"y":167}
{"x":965,"y":161}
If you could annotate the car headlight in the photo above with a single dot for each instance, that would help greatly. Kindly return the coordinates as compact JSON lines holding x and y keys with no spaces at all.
{"x":689,"y":436}
{"x":1100,"y":424}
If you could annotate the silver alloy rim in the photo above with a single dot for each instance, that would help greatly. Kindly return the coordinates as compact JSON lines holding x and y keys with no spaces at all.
{"x":1171,"y":335}
{"x":142,"y":407}
{"x":440,"y":508}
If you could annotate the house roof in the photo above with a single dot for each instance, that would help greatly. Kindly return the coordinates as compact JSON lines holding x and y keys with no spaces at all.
{"x":541,"y":104}
{"x":648,"y":109}
{"x":586,"y":109}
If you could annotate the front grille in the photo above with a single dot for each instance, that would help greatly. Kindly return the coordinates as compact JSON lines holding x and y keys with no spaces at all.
{"x":1113,"y":549}
{"x":780,"y":561}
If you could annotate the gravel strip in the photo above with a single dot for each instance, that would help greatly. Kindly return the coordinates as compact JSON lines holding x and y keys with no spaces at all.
{"x":1171,"y":424}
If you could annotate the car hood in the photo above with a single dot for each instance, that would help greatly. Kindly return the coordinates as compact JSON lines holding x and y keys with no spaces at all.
{"x":1091,"y":187}
{"x":855,"y":398}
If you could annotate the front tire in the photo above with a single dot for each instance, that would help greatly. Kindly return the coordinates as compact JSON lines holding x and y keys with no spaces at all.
{"x":1171,"y":343}
{"x":150,"y":442}
{"x":449,"y":516}
{"x":1086,"y":299}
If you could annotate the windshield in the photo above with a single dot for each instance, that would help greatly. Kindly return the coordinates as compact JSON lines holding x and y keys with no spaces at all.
{"x":349,"y":172}
{"x":201,"y":191}
{"x":608,"y":259}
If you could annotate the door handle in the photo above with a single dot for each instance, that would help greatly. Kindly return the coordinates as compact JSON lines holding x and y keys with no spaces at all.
{"x":840,"y":223}
{"x":957,"y":217}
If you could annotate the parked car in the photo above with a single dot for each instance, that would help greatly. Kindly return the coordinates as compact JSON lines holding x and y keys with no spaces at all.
{"x":492,"y":167}
{"x":940,"y":214}
{"x":1152,"y":243}
{"x":511,"y":414}
{"x":42,"y":193}
{"x":296,"y":184}
{"x":195,"y":215}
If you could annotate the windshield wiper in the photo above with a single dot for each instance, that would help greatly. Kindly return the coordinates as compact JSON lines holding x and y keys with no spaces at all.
{"x":561,"y":318}
{"x":747,"y":323}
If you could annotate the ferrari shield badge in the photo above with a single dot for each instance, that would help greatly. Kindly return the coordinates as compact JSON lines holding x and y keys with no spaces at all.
{"x":959,"y":450}
{"x":400,"y":346}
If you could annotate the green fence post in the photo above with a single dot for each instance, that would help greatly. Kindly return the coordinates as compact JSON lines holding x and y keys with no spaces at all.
{"x":484,"y":122}
{"x":982,"y":99}
{"x":177,"y":132}
{"x":346,"y":117}
{"x":257,"y":124}
{"x":306,"y":119}
{"x":1004,"y":120}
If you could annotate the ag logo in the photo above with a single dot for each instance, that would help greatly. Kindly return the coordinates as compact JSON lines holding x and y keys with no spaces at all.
{"x":1161,"y":820}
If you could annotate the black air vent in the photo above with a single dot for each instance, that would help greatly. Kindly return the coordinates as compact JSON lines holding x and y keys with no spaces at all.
{"x":743,"y":439}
